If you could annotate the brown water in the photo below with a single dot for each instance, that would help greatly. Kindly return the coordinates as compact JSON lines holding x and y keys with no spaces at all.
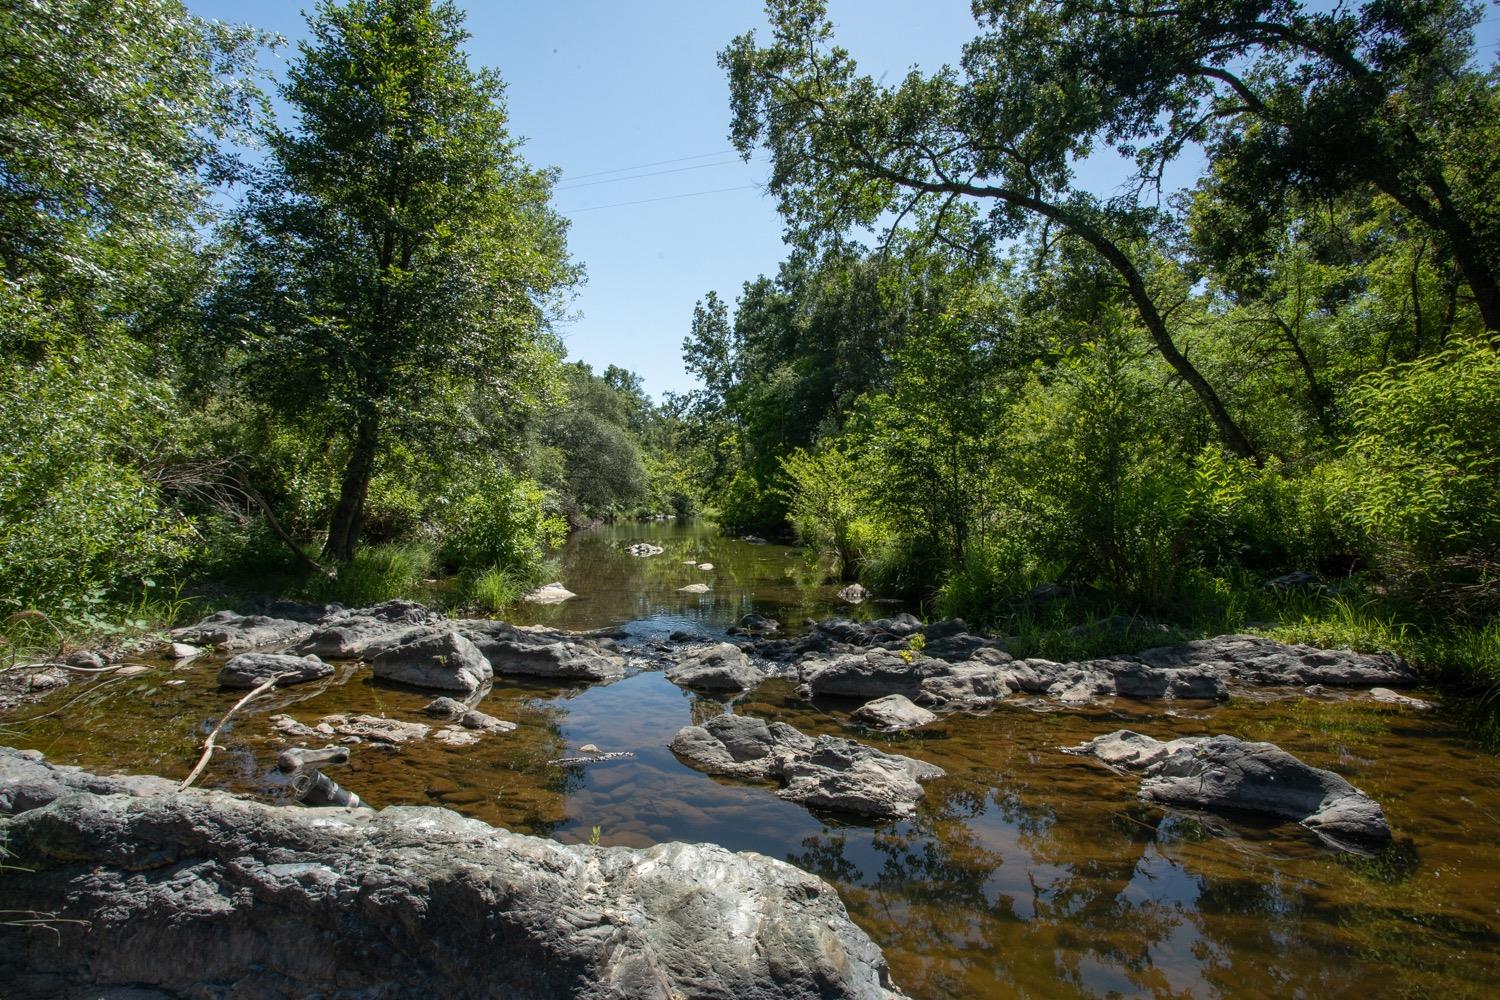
{"x":1025,"y":872}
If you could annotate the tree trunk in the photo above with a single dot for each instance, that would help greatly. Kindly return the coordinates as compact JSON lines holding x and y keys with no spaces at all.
{"x":348,"y":520}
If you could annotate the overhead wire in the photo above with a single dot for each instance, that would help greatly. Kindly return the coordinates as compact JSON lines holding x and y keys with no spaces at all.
{"x":654,"y":173}
{"x":668,"y":197}
{"x":654,"y":163}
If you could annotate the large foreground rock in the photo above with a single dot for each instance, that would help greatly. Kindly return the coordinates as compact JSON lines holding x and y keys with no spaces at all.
{"x":200,"y":894}
{"x":1226,"y":773}
{"x":827,"y":772}
{"x":229,"y":632}
{"x":721,"y":667}
{"x":445,"y":661}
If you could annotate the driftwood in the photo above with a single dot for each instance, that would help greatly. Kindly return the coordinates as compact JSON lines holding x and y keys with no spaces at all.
{"x":208,"y":744}
{"x":591,"y":759}
{"x":314,"y":788}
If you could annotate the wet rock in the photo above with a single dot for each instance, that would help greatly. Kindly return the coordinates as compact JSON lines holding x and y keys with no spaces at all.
{"x":456,"y":736}
{"x":1390,"y":697}
{"x":366,"y":632}
{"x":1226,"y":773}
{"x":706,"y":567}
{"x":249,"y":670}
{"x":854,"y":594}
{"x":644,"y":549}
{"x":552,"y":593}
{"x":1251,"y":659}
{"x":409,"y":901}
{"x":469,"y":718}
{"x":722,"y":667}
{"x":181,"y":651}
{"x":871,"y":674}
{"x":695,"y":588}
{"x":132,"y":670}
{"x":893,"y":712}
{"x":446,"y":661}
{"x":595,"y":756}
{"x":753,"y":624}
{"x":288,"y":726}
{"x":86,"y":659}
{"x":49,"y":679}
{"x":375,"y":728}
{"x":229,"y":632}
{"x":827,"y":772}
{"x":753,"y":539}
{"x":568,"y":660}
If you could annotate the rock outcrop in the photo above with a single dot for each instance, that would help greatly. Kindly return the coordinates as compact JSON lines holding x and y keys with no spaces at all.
{"x":202,"y":894}
{"x":229,"y":632}
{"x":828,"y":772}
{"x":721,"y":667}
{"x":366,"y":632}
{"x":445,"y":661}
{"x":1226,"y":773}
{"x":249,"y":670}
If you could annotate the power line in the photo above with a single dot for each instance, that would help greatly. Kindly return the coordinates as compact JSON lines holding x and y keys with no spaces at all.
{"x":655,"y":163}
{"x":669,"y":197}
{"x":654,"y":173}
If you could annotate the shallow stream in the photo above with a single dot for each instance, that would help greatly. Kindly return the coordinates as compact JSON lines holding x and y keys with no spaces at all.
{"x":1026,"y":872}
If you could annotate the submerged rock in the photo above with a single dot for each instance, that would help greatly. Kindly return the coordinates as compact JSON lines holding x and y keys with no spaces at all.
{"x":828,"y":772}
{"x":410,"y":901}
{"x":1223,"y":772}
{"x":469,"y":718}
{"x":250,"y":670}
{"x":721,"y":667}
{"x":893,"y":712}
{"x":230,"y":632}
{"x":446,"y":661}
{"x":753,"y":624}
{"x":375,"y":728}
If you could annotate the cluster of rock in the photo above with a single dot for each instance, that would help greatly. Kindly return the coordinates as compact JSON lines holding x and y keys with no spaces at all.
{"x":410,"y":644}
{"x":953,"y":669}
{"x":827,"y":772}
{"x":1226,"y":773}
{"x":260,"y":900}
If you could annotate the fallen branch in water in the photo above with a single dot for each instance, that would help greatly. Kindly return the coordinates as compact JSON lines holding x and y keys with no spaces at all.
{"x":208,"y":744}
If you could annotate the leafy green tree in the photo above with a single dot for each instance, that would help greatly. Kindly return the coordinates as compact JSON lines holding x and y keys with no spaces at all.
{"x":850,"y":153}
{"x":398,"y":256}
{"x":826,"y":498}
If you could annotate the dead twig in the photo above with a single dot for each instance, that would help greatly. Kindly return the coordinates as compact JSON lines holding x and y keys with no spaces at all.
{"x":208,"y":744}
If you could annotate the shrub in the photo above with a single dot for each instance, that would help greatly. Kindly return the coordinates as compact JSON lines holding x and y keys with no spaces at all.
{"x":379,"y":573}
{"x":503,"y":524}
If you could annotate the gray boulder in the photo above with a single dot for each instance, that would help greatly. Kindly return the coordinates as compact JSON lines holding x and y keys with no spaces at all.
{"x":892,"y":713}
{"x":827,"y":772}
{"x":721,"y":667}
{"x":229,"y":632}
{"x":1256,"y":660}
{"x":259,"y":901}
{"x":854,"y":594}
{"x":366,"y":632}
{"x":585,"y":661}
{"x":552,"y":593}
{"x":871,"y":674}
{"x":1226,"y":773}
{"x":446,"y":661}
{"x":249,"y":670}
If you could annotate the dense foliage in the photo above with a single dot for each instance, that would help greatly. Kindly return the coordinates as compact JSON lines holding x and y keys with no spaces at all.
{"x":975,"y":375}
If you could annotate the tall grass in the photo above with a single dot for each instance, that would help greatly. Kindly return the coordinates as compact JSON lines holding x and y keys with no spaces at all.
{"x":379,"y":573}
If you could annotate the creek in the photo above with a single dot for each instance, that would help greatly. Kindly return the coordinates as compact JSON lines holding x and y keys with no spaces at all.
{"x":1025,"y":872}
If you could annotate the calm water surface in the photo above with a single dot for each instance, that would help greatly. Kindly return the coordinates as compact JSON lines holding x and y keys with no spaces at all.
{"x":1024,"y":873}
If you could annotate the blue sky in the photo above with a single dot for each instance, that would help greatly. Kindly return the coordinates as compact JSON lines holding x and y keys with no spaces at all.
{"x":599,"y":87}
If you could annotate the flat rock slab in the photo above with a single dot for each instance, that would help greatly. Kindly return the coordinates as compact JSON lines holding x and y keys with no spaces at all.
{"x":585,"y":661}
{"x":1226,"y":773}
{"x":721,"y":667}
{"x":250,"y":670}
{"x":552,"y":593}
{"x":445,"y":661}
{"x":408,"y":901}
{"x":229,"y":632}
{"x":827,"y":772}
{"x":375,"y":728}
{"x":892,"y":713}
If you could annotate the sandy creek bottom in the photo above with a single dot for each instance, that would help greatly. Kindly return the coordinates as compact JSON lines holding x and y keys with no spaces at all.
{"x":1025,"y":872}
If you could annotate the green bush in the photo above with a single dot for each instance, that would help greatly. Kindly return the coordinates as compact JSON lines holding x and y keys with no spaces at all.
{"x":745,"y":505}
{"x":379,"y":573}
{"x":993,"y":573}
{"x":502,"y":524}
